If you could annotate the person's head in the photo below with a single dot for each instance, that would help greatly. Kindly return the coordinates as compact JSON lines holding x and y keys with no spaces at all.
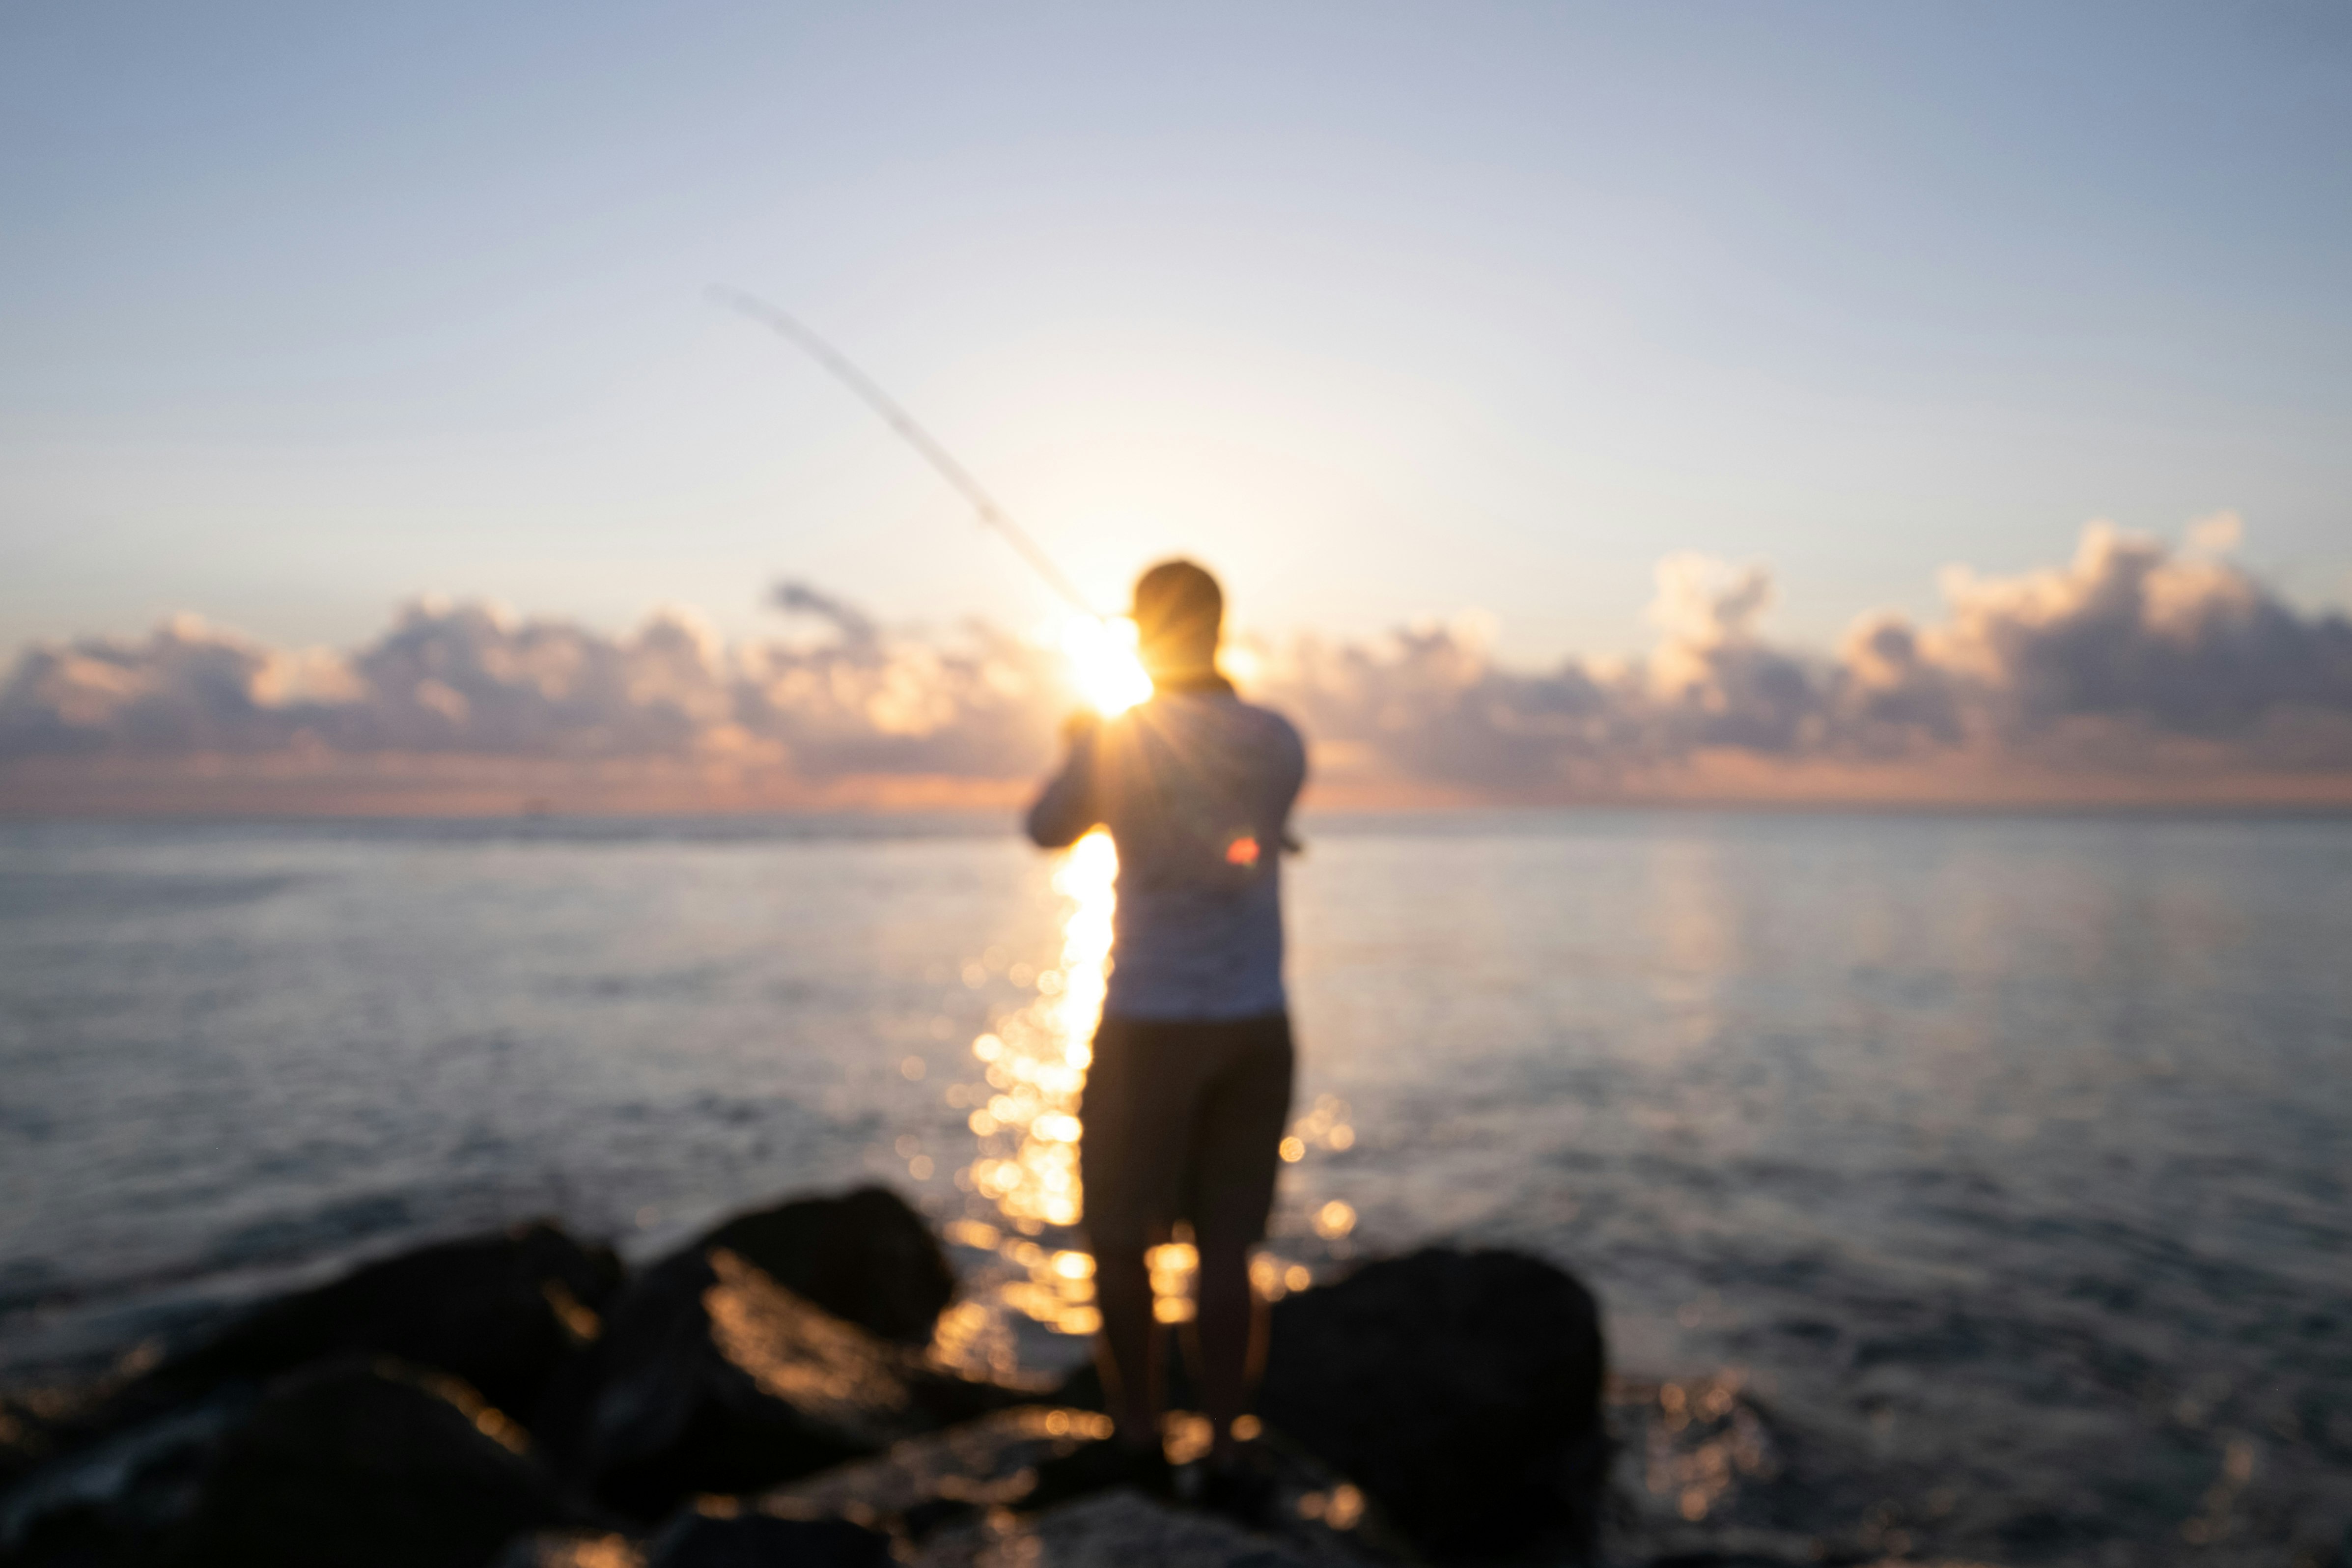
{"x":1178,"y":613}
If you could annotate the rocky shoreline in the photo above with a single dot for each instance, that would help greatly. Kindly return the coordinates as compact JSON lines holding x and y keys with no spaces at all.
{"x":771,"y":1394}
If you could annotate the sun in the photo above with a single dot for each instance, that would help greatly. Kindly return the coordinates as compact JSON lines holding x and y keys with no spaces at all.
{"x":1103,"y":663}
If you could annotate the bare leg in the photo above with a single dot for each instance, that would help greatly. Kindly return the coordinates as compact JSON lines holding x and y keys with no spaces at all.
{"x":1128,"y":1352}
{"x":1231,"y":1324}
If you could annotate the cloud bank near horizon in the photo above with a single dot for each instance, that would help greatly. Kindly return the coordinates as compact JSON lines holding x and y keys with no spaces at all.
{"x":2138,"y":670}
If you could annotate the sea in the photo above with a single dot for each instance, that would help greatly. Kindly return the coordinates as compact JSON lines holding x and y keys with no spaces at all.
{"x":1994,"y":1165}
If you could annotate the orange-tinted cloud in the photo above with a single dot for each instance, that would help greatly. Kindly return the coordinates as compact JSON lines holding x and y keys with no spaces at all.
{"x":2135,"y":672}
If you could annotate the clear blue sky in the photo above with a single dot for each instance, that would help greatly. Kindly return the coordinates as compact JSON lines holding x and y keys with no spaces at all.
{"x":1382,"y":310}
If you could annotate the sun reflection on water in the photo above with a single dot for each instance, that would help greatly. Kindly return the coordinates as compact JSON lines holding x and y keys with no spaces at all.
{"x":1034,"y":1062}
{"x":1025,"y":1195}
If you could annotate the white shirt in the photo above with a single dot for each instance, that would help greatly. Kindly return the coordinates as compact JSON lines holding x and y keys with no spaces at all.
{"x":1196,"y":789}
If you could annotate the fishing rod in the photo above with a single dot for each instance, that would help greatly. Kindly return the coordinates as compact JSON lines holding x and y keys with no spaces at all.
{"x":991,"y":515}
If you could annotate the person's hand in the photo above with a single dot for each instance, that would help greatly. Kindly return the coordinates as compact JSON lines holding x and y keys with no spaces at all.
{"x":1081,"y":723}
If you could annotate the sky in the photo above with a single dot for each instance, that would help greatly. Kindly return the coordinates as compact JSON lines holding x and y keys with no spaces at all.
{"x":1385,"y":311}
{"x":1565,"y":392}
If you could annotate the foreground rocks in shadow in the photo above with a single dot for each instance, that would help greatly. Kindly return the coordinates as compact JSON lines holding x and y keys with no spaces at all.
{"x":717,"y":1534}
{"x":1462,"y":1390}
{"x":105,"y":1501}
{"x":123,"y":1463}
{"x":864,"y":1256}
{"x":952,"y":1500}
{"x":1119,"y":1529}
{"x":360,"y":1464}
{"x":501,"y":1312}
{"x":714,"y":1376}
{"x":766,"y":1395}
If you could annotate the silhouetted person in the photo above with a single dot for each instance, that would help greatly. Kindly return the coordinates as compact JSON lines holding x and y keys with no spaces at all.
{"x":1189,"y":1092}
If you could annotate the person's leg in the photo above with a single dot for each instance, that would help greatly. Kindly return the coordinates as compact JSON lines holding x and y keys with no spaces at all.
{"x":1238,"y":1150}
{"x":1231,"y":1322}
{"x":1130,"y":1152}
{"x":1128,"y":1352}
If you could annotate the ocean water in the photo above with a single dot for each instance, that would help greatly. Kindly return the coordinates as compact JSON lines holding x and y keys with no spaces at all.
{"x":2000,"y":1163}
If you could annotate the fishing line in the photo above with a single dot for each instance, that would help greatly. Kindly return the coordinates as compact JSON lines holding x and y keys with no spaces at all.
{"x":991,"y":515}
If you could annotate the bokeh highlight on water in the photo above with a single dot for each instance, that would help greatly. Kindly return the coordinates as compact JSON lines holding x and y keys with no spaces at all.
{"x":2000,"y":1159}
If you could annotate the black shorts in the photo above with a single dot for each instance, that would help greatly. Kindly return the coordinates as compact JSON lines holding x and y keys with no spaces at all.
{"x":1184,"y":1120}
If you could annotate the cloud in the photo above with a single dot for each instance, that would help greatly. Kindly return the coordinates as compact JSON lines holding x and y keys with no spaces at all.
{"x":2134,"y":670}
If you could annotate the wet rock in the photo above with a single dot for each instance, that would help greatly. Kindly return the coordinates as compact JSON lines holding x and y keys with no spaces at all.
{"x":713,"y":1378}
{"x":362,"y":1463}
{"x":31,"y":1420}
{"x":701,"y":1539}
{"x":1121,"y":1529}
{"x":571,"y":1549}
{"x":100,"y":1502}
{"x":924,"y":1481}
{"x":956,"y":1497}
{"x":864,"y":1256}
{"x":500,"y":1312}
{"x":1462,"y":1390}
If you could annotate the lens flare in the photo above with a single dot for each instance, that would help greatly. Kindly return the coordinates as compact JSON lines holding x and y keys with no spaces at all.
{"x":1103,"y":663}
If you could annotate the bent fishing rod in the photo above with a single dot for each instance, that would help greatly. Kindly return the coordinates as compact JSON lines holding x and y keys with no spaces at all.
{"x":991,"y":515}
{"x":870,"y":393}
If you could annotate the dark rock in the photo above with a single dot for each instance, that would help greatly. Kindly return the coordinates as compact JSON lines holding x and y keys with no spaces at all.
{"x":699,"y":1539}
{"x":105,"y":1501}
{"x":361,"y":1463}
{"x":571,"y":1549}
{"x":32,"y":1421}
{"x":713,"y":1377}
{"x":120,"y":1459}
{"x":963,"y":1495}
{"x":942,"y":1477}
{"x":1462,"y":1390}
{"x":864,"y":1256}
{"x":1125,"y":1528}
{"x":500,"y":1312}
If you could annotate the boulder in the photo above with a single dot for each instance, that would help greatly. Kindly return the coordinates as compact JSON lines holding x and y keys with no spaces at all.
{"x":571,"y":1549}
{"x":359,"y":1463}
{"x":864,"y":1256}
{"x":1124,"y":1529}
{"x":106,"y":1500}
{"x":697,"y":1539}
{"x":713,"y":1377}
{"x":500,"y":1312}
{"x":962,"y":1496}
{"x":1462,"y":1390}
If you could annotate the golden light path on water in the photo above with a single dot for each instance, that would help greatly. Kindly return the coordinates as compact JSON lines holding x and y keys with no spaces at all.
{"x":1023,"y":1182}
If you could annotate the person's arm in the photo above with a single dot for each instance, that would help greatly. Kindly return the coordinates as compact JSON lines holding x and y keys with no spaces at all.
{"x":1290,"y":778}
{"x":1065,"y":809}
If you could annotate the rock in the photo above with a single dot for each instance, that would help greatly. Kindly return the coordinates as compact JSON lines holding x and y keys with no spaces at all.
{"x":101,"y":1501}
{"x":33,"y":1421}
{"x":949,"y":1497}
{"x":571,"y":1549}
{"x":736,"y":1540}
{"x":713,"y":1377}
{"x":864,"y":1256}
{"x":500,"y":1312}
{"x":1119,"y":1529}
{"x":1462,"y":1390}
{"x":359,"y":1463}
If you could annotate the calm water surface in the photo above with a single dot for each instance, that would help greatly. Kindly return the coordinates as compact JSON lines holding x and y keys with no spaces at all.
{"x":2003,"y":1161}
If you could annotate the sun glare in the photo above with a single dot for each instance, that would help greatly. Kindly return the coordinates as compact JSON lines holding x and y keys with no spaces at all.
{"x":1103,"y":662}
